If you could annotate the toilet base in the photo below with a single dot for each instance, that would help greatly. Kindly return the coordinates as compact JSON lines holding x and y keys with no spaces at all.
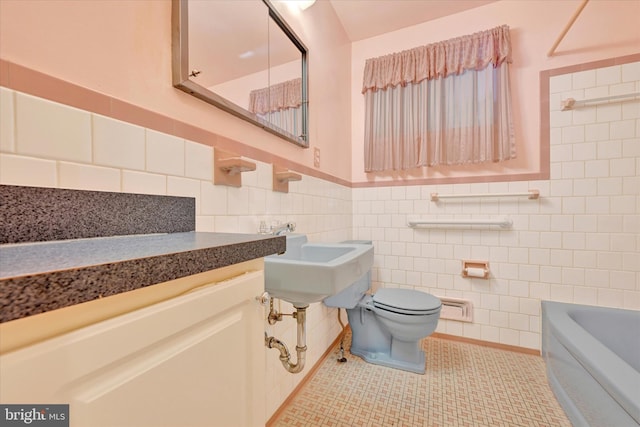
{"x":375,"y":344}
{"x":384,"y":359}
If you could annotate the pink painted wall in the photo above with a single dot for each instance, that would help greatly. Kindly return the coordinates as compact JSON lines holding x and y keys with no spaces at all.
{"x":329,"y":82}
{"x":123,"y":49}
{"x":604,"y":29}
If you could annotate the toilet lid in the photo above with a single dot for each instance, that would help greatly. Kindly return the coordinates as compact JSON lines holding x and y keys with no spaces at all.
{"x":406,"y":301}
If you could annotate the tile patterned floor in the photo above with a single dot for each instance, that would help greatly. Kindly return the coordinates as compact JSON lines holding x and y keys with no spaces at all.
{"x":465,"y":385}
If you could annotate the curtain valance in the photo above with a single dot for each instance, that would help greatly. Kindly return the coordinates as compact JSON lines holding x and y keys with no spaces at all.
{"x":278,"y":97}
{"x":472,"y":52}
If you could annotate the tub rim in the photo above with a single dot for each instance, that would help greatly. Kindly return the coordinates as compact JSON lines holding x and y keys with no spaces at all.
{"x":618,"y":378}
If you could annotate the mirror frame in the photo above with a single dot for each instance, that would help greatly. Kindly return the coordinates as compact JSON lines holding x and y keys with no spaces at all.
{"x":182,"y":81}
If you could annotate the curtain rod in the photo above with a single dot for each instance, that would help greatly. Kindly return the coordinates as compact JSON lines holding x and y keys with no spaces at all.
{"x":567,"y":27}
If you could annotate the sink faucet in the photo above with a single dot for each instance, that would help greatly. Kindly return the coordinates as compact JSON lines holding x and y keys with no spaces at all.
{"x":287,"y":227}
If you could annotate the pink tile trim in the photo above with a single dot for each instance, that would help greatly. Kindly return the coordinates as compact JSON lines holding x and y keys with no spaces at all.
{"x":130,"y":113}
{"x":590,"y":65}
{"x":35,"y":83}
{"x":4,"y":73}
{"x":454,"y":180}
{"x":26,"y":80}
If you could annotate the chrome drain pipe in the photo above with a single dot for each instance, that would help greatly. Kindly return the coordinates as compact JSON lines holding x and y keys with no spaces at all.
{"x":301,"y":348}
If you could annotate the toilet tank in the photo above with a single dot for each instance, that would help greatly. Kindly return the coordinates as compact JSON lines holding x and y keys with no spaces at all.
{"x":351,"y":295}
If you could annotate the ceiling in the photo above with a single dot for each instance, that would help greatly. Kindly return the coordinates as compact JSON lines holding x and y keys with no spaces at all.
{"x":362,"y":19}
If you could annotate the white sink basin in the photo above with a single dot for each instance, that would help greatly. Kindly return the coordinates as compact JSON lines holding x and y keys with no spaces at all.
{"x":310,"y":272}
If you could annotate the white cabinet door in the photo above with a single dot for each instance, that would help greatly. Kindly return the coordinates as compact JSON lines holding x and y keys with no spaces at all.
{"x":194,"y":360}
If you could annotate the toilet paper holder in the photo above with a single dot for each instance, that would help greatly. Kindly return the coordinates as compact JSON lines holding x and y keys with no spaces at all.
{"x":475,"y":268}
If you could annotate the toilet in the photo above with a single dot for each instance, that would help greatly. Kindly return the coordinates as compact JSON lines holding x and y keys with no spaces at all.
{"x":387,"y":327}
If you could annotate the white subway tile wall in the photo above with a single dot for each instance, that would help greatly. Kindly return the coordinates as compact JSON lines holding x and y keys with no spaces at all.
{"x":47,"y":144}
{"x":198,"y":161}
{"x":44,"y":130}
{"x":7,"y":118}
{"x":165,"y":153}
{"x":143,"y":183}
{"x":579,"y":243}
{"x":30,"y":171}
{"x":116,"y":143}
{"x":79,"y":176}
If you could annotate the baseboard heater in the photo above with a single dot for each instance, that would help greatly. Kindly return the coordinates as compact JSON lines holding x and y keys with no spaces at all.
{"x":456,"y":309}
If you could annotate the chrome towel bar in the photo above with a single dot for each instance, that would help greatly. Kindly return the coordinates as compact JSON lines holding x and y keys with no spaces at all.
{"x":531,"y":194}
{"x":502,"y":222}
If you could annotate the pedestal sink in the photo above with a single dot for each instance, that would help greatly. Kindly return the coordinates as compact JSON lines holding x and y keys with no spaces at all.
{"x":310,"y":272}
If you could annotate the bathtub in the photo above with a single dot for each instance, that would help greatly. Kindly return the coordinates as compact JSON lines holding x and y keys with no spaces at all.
{"x":592,"y":356}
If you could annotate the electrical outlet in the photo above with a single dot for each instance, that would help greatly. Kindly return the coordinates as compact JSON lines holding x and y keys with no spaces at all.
{"x":316,"y":157}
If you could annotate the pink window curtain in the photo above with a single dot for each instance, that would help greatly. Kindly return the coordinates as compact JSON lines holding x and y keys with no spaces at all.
{"x":278,"y":97}
{"x":440,"y":104}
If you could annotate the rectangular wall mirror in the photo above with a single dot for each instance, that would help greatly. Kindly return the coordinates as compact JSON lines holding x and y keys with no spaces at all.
{"x":242,"y":57}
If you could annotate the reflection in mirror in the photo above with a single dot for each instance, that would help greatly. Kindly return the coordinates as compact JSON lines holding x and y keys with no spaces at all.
{"x":229,"y":47}
{"x":281,"y":102}
{"x":242,"y":57}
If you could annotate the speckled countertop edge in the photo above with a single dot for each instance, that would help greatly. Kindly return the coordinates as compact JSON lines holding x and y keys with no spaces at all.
{"x":36,"y":278}
{"x":38,"y":214}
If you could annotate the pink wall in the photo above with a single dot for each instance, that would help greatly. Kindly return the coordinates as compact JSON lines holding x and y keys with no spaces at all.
{"x":329,"y":82}
{"x":605,"y":29}
{"x":122,"y":49}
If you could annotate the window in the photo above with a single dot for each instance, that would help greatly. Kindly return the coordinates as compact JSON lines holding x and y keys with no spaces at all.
{"x":447,"y":103}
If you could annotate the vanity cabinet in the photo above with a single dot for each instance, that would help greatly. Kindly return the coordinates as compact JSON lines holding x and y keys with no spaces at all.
{"x":194,"y":359}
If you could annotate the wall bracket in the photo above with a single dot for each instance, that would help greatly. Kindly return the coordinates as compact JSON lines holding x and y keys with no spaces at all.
{"x":228,"y":167}
{"x":281,"y":178}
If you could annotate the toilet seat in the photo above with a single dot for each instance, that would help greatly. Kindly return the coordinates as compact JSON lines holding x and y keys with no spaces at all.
{"x":406,"y":301}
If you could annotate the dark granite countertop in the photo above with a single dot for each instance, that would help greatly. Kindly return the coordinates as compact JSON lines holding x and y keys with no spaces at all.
{"x":43,"y":276}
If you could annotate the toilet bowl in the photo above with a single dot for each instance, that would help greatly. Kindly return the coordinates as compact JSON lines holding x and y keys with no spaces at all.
{"x":387,"y":327}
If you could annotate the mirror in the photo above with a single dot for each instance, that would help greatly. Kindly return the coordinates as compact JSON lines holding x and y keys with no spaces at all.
{"x":242,"y":57}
